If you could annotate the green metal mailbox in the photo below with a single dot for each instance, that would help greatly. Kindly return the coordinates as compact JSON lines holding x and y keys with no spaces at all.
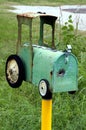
{"x":49,"y":69}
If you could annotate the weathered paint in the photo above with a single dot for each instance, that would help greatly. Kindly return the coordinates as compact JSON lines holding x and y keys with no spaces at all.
{"x":27,"y":18}
{"x":43,"y":63}
{"x":50,"y":20}
{"x":59,"y":68}
{"x":51,"y":65}
{"x":26,"y":55}
{"x":65,"y":74}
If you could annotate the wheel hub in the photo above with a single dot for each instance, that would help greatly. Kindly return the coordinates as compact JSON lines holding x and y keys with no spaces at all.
{"x":43,"y":88}
{"x":12,"y":71}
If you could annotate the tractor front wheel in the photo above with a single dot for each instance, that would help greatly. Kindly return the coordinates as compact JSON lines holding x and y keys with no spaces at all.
{"x":44,"y":89}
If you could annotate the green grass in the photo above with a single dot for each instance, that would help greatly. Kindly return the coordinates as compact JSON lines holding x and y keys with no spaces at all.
{"x":45,"y":2}
{"x":20,"y":109}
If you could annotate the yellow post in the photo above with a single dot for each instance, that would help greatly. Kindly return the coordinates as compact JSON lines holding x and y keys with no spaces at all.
{"x":46,"y":114}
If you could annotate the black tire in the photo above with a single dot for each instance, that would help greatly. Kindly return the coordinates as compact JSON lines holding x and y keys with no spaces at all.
{"x":44,"y":89}
{"x":14,"y":71}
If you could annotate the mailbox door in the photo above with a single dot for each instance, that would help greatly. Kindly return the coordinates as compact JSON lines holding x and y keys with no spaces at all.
{"x":65,"y":74}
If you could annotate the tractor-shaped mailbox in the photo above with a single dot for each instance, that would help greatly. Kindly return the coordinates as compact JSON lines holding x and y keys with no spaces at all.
{"x":49,"y":69}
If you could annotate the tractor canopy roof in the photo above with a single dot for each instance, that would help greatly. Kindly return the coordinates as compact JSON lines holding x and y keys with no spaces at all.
{"x":26,"y":18}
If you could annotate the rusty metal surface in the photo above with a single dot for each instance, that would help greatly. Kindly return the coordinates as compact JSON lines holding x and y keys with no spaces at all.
{"x":34,"y":15}
{"x":26,"y":18}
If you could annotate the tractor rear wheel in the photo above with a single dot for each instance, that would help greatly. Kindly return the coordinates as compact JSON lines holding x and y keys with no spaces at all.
{"x":14,"y":71}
